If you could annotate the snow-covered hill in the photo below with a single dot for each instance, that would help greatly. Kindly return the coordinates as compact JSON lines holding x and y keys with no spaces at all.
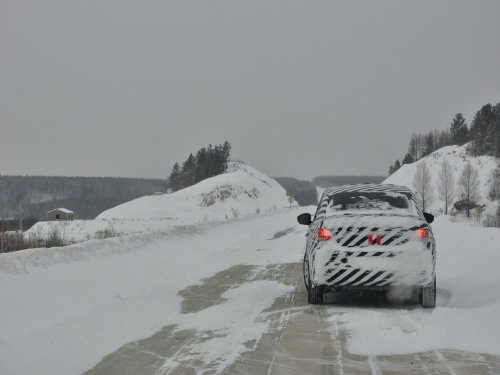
{"x":242,"y":191}
{"x":457,"y":157}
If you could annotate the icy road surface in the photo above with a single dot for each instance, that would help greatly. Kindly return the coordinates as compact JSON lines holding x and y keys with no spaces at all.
{"x":230,"y":299}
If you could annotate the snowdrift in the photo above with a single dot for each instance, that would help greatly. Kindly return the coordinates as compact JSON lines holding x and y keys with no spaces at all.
{"x":457,"y":157}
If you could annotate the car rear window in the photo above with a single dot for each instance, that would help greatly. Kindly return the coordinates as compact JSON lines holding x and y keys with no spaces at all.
{"x":358,"y":202}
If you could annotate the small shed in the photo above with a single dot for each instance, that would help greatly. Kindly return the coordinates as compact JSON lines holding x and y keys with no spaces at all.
{"x":60,"y":214}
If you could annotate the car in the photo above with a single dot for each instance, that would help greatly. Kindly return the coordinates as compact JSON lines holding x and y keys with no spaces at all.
{"x":369,"y":237}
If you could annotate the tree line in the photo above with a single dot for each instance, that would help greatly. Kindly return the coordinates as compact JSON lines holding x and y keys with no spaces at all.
{"x":483,"y":136}
{"x":206,"y":162}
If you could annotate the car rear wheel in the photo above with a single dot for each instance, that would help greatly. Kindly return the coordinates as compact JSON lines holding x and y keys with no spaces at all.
{"x":427,"y":295}
{"x":314,"y":293}
{"x":306,"y":272}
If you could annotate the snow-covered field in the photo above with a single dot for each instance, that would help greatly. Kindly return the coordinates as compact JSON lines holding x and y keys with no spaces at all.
{"x":63,"y":309}
{"x":457,"y":157}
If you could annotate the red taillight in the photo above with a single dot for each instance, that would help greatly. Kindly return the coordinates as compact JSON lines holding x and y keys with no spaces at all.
{"x":324,"y":234}
{"x":424,"y":233}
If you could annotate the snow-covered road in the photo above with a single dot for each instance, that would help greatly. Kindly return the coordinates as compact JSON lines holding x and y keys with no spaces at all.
{"x":229,"y":299}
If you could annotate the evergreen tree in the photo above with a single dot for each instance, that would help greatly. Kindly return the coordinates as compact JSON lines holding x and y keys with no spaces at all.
{"x":174,"y":181}
{"x":459,"y":130}
{"x":479,"y":130}
{"x":201,"y":159}
{"x":207,"y":162}
{"x":408,"y":159}
{"x":188,"y":171}
{"x":395,"y":167}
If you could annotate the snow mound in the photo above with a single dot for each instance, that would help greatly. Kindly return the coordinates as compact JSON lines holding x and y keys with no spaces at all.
{"x":458,"y":157}
{"x":242,"y":191}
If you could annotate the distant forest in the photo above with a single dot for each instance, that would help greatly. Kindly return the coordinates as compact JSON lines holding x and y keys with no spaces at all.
{"x":304,"y":192}
{"x":86,"y":196}
{"x":327,"y":181}
{"x":483,"y":135}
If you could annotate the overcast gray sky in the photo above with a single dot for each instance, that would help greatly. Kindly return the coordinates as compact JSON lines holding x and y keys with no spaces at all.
{"x":299,"y":88}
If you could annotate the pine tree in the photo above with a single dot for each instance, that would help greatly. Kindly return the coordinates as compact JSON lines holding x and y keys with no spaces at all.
{"x":479,"y":130}
{"x":175,"y":178}
{"x":459,"y":130}
{"x":188,"y":171}
{"x":408,"y":159}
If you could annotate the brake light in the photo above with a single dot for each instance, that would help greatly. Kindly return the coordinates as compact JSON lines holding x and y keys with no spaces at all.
{"x":324,"y":234}
{"x":424,"y":233}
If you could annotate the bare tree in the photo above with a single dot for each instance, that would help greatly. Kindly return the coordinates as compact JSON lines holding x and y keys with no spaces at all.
{"x":445,"y":185}
{"x":291,"y":196}
{"x":469,"y":184}
{"x":423,"y":186}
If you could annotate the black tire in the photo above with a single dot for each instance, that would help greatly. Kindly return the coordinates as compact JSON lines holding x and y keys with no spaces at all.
{"x":427,"y":295}
{"x":305,"y":270}
{"x":315,"y":295}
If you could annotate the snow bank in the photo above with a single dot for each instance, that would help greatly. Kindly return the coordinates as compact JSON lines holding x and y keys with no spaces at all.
{"x":468,"y":304}
{"x":457,"y":157}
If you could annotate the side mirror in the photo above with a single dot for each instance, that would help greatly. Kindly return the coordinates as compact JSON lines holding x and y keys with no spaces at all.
{"x":428,"y":217}
{"x":304,"y":219}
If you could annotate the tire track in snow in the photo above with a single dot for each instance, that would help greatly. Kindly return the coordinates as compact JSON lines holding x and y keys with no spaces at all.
{"x":287,"y":317}
{"x":374,"y":368}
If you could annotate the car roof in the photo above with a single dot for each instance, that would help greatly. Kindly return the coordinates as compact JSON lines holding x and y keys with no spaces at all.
{"x":367,"y":188}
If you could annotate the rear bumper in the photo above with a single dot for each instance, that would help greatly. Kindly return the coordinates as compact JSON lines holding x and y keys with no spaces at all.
{"x":378,"y":270}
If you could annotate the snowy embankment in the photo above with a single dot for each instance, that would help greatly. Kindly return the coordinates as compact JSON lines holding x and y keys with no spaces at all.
{"x":457,"y":157}
{"x":468,"y":303}
{"x":242,"y":191}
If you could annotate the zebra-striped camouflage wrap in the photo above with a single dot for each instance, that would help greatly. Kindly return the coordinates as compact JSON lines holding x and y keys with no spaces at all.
{"x":370,"y":249}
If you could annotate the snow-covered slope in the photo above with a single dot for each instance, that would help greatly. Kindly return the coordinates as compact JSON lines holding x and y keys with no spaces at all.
{"x":457,"y":157}
{"x":242,"y":191}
